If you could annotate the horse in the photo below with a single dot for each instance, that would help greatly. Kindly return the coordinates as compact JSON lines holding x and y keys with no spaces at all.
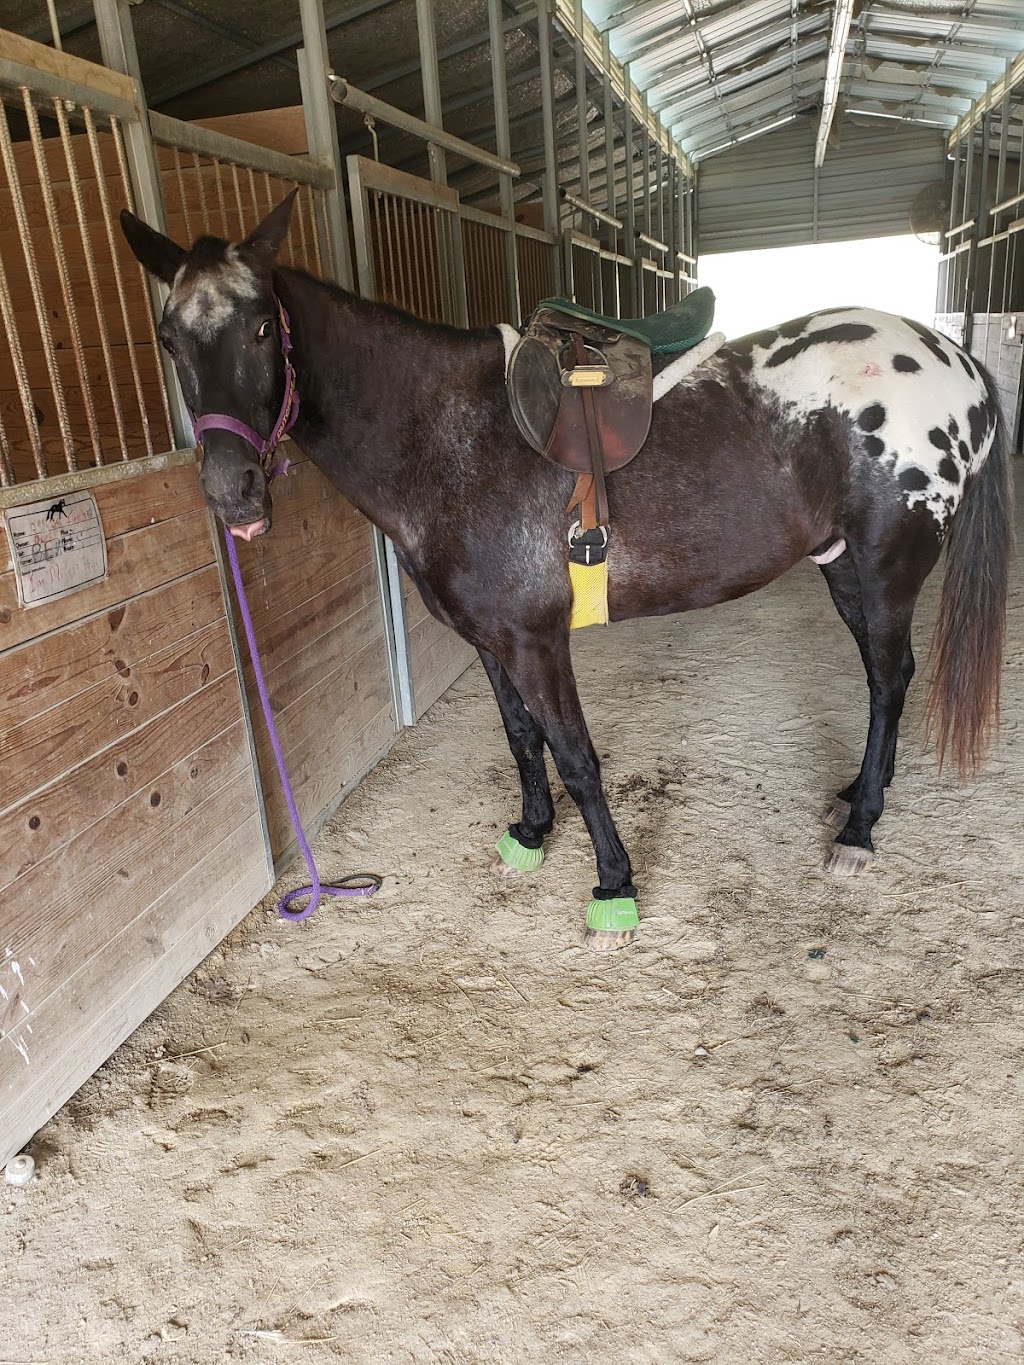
{"x":855,"y":437}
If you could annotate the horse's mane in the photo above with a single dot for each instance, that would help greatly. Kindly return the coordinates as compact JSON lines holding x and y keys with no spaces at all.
{"x":386,"y":313}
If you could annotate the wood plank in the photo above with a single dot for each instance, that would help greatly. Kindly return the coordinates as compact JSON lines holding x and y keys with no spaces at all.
{"x":68,"y":908}
{"x":38,"y":749}
{"x":106,"y":648}
{"x":146,"y":961}
{"x":359,"y":755}
{"x":282,"y":130}
{"x":436,"y":666}
{"x":305,"y":554}
{"x":320,"y":734}
{"x":326,"y":666}
{"x":65,"y":66}
{"x":136,"y":562}
{"x":289,"y":642}
{"x":52,"y":817}
{"x":141,"y":500}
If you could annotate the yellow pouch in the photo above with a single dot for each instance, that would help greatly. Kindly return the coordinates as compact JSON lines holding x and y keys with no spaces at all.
{"x":589,"y":594}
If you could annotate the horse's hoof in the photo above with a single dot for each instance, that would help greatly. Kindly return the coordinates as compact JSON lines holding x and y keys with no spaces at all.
{"x":513,"y":857}
{"x":607,"y":940}
{"x":847,"y":861}
{"x":611,"y":924}
{"x":836,"y":813}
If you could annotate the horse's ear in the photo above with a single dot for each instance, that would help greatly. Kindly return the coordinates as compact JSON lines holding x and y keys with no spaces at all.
{"x":265,"y":240}
{"x":160,"y":256}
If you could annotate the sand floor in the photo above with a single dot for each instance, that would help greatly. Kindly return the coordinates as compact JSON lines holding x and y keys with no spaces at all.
{"x":785,"y":1126}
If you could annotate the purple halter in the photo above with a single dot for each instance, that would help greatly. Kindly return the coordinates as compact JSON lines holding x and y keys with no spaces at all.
{"x":286,"y":418}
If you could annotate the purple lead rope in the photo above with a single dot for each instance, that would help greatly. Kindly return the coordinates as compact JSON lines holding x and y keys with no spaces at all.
{"x":366,"y":883}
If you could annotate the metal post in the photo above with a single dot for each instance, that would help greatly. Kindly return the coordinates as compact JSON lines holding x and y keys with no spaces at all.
{"x":1002,"y":247}
{"x":979,"y":230}
{"x":670,"y":225}
{"x":646,"y":155}
{"x":503,"y":142}
{"x":117,"y":46}
{"x":431,"y":78}
{"x":322,"y":132}
{"x":581,"y":100}
{"x":948,"y":296}
{"x":630,"y":214}
{"x":610,"y":196}
{"x":609,"y":128}
{"x":552,"y":203}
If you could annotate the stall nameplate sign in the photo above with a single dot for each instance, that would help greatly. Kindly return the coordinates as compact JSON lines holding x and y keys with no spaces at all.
{"x":57,"y":546}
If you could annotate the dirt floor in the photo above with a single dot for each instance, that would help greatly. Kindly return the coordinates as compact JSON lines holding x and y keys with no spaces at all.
{"x":785,"y":1126}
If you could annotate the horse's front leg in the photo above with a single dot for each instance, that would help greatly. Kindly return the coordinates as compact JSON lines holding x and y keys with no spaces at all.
{"x":540,"y":670}
{"x":521,"y":848}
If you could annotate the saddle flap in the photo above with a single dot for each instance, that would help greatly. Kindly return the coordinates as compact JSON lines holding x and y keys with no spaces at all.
{"x":550,"y":414}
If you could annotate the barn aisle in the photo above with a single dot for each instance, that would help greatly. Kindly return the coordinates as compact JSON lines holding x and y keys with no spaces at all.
{"x":429,"y":1127}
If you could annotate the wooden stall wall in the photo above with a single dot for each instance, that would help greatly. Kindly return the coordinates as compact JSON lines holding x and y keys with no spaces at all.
{"x":131,"y":835}
{"x":313,"y":592}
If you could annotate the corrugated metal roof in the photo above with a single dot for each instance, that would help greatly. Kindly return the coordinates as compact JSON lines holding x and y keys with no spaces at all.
{"x":720,"y":71}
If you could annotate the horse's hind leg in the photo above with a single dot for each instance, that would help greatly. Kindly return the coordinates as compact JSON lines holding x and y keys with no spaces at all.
{"x":540,"y":669}
{"x":878,"y":614}
{"x":844,"y":586}
{"x":521,"y":849}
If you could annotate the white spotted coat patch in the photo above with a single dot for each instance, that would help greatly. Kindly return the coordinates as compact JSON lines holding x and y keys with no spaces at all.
{"x":917,"y":402}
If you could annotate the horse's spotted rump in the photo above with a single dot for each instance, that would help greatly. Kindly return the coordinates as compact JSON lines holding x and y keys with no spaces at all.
{"x":842,"y":331}
{"x":927,"y":421}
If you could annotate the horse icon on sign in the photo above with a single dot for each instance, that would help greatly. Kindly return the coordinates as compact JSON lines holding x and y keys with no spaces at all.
{"x":57,"y":510}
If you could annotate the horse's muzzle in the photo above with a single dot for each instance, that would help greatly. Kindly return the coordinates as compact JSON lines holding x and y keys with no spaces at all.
{"x":251,"y":530}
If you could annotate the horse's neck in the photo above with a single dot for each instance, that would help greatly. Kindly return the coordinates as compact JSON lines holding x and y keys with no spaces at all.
{"x":374,"y":388}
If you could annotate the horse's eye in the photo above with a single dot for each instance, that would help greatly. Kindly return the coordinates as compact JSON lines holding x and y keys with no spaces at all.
{"x":265,"y":330}
{"x":167,"y":346}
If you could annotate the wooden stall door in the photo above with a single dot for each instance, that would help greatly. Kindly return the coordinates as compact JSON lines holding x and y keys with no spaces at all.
{"x":131,"y":831}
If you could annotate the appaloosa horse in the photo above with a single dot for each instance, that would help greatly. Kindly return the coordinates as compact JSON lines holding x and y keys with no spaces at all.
{"x":857,"y":438}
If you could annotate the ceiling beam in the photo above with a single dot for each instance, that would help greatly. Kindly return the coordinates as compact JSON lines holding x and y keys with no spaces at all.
{"x":1013,"y":75}
{"x":841,"y":19}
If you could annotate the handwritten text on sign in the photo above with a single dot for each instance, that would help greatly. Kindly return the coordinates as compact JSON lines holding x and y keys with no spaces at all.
{"x":57,"y":546}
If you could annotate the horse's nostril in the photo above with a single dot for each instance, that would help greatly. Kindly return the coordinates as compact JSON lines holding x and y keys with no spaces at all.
{"x":248,"y":481}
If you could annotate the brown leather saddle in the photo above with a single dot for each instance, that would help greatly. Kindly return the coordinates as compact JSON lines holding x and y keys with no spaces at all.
{"x":581,"y":394}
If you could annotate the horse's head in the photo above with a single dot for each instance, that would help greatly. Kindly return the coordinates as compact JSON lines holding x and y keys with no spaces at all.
{"x":226,"y":331}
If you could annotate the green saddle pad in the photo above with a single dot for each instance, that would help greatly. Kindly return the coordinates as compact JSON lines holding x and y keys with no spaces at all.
{"x":677,"y":329}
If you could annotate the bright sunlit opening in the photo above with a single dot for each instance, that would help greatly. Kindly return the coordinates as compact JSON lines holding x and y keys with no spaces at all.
{"x":757,"y":289}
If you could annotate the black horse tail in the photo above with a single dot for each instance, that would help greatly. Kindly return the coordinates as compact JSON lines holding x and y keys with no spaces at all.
{"x":967,"y":650}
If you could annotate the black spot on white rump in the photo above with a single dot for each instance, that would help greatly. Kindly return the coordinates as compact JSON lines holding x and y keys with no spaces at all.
{"x":940,"y":440}
{"x":949,"y":469}
{"x":842,"y":331}
{"x":965,"y":363}
{"x":977,"y":420}
{"x":873,"y":446}
{"x":905,"y":364}
{"x":872,"y":417}
{"x":914,"y":480}
{"x":930,"y":340}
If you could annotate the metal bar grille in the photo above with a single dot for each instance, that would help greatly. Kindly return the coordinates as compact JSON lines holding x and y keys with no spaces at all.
{"x":80,"y":378}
